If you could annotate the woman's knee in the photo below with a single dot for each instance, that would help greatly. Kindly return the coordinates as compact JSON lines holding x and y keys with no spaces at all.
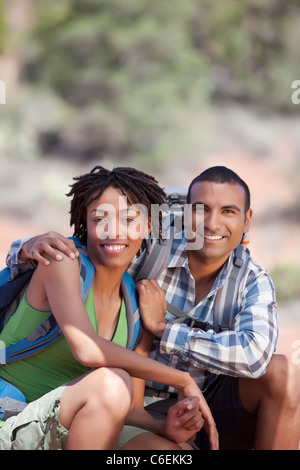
{"x":110,"y":387}
{"x":102,"y":390}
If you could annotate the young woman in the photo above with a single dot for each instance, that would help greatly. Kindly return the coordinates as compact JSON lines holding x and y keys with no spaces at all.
{"x":80,"y":389}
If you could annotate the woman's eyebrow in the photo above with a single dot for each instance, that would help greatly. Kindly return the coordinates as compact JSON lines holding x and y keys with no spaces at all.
{"x":98,"y":211}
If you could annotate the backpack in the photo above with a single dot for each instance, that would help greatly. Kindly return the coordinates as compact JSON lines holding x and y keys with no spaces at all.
{"x":12,"y":291}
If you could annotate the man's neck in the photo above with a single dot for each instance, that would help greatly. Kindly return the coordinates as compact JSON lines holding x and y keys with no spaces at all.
{"x":203,"y":268}
{"x":204,"y":272}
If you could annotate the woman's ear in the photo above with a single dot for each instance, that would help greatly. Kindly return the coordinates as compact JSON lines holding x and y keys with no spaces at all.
{"x":148,"y":229}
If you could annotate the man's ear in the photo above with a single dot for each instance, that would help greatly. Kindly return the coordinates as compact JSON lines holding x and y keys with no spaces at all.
{"x":248,"y":217}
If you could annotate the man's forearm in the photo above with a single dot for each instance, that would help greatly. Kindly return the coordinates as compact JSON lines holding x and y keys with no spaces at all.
{"x":140,"y":418}
{"x":237,"y":353}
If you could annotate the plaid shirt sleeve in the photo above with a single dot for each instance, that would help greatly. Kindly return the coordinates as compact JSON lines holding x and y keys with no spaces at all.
{"x":244,"y":351}
{"x":14,"y":260}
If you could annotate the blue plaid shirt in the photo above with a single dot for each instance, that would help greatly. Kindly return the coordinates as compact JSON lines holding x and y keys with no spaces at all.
{"x":243,"y":351}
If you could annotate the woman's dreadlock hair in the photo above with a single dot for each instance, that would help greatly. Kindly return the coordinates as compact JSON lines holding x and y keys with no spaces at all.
{"x":138,"y":186}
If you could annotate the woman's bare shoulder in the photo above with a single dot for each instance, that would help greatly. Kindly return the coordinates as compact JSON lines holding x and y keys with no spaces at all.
{"x":59,"y":276}
{"x":58,"y":269}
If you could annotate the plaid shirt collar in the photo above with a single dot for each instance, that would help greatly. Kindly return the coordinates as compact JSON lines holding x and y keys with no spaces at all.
{"x":179,"y":259}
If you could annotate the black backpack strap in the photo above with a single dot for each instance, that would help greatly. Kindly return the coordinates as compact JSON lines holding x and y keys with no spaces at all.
{"x":184,"y":317}
{"x":43,"y":329}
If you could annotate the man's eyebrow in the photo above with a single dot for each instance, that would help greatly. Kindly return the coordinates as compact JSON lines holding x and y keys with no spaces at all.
{"x":229,"y":206}
{"x":232,"y":206}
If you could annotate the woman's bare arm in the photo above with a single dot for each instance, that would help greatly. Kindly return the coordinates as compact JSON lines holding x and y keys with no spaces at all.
{"x":184,"y":418}
{"x":60,"y":281}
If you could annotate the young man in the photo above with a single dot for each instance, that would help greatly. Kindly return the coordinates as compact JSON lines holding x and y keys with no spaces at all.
{"x":253,"y":394}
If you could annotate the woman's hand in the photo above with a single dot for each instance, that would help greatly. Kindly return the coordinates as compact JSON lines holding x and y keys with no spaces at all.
{"x":52,"y":243}
{"x":184,"y":420}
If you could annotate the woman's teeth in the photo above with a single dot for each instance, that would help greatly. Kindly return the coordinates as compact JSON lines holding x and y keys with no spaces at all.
{"x":114,"y":247}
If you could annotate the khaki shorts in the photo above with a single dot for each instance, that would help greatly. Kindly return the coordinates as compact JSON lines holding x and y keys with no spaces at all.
{"x":128,"y":433}
{"x":37,"y":427}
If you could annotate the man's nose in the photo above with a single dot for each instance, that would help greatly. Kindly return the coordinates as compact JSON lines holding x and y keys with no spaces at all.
{"x":212,"y":221}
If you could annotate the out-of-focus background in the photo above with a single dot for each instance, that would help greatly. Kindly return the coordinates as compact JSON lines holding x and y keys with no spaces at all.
{"x":170,"y":87}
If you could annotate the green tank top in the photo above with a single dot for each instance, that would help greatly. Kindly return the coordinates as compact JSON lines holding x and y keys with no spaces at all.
{"x":56,"y":365}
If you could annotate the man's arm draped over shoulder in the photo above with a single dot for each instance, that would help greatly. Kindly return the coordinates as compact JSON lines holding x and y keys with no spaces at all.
{"x":25,"y":253}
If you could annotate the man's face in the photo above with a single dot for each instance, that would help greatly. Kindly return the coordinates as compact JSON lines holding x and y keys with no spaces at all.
{"x":225,"y":220}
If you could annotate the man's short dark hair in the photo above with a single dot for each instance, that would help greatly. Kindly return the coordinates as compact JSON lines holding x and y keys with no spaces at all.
{"x":221,"y":174}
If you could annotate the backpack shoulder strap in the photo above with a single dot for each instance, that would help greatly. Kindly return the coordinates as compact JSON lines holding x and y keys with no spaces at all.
{"x":87,"y":272}
{"x":134,"y":323}
{"x":157,"y":259}
{"x":224,"y":304}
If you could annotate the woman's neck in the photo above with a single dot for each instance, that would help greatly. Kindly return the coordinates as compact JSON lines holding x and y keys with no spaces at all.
{"x":107,"y":282}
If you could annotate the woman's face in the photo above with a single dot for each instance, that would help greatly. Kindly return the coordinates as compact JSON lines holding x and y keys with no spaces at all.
{"x":115,"y":229}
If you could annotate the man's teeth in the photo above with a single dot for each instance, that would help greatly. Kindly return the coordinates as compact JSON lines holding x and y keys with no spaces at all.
{"x":114,"y":247}
{"x":213,"y":237}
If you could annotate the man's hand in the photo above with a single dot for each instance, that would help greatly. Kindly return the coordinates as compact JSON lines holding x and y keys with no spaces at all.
{"x":52,"y":243}
{"x":184,"y":420}
{"x":192,"y":390}
{"x":152,"y":306}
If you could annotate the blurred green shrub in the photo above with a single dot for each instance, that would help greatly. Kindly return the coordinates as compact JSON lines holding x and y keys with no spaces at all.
{"x":287,"y":281}
{"x":3,"y":29}
{"x":135,"y":76}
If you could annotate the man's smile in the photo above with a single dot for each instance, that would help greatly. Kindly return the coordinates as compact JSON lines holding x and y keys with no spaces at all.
{"x":213,"y":238}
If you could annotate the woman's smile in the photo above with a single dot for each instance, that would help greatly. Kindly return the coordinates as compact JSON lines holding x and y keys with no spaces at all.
{"x":113,"y":248}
